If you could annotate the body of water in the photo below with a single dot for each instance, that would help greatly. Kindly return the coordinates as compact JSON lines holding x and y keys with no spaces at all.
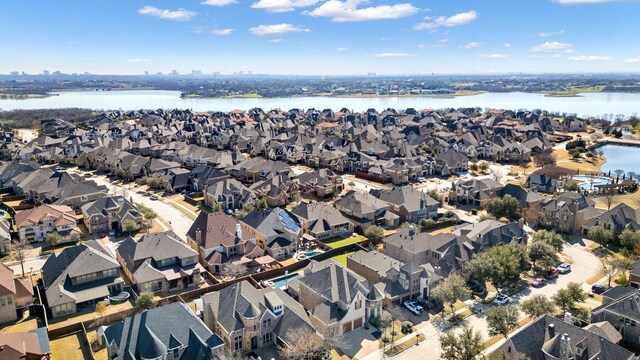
{"x":592,"y":104}
{"x":620,"y":157}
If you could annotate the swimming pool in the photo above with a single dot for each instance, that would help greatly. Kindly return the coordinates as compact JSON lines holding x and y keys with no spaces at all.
{"x":587,"y":182}
{"x":309,"y":254}
{"x":281,"y":282}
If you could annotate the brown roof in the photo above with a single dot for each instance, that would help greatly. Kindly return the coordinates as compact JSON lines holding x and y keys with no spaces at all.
{"x":59,"y":214}
{"x":7,"y":286}
{"x":20,"y":343}
{"x":217,"y":229}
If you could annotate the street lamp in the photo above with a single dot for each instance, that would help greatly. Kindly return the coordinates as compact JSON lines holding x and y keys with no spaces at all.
{"x":417,"y":339}
{"x":31,"y":275}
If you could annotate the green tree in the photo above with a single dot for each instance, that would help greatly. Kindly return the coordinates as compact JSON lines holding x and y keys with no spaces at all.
{"x":542,"y":255}
{"x":53,"y":239}
{"x":629,"y":239}
{"x":501,"y":319}
{"x":502,"y":265}
{"x":552,"y":238}
{"x":146,"y":301}
{"x":537,"y":305}
{"x":600,"y":234}
{"x":463,"y":346}
{"x":262,"y":204}
{"x":567,"y":298}
{"x":147,"y":213}
{"x":130,"y":226}
{"x":450,"y":290}
{"x":101,"y":308}
{"x":374,"y":233}
{"x":508,"y":207}
{"x":572,"y":185}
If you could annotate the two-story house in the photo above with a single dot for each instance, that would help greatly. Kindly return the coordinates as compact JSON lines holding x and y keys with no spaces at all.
{"x":15,"y":295}
{"x":110,"y":213}
{"x":365,"y":210}
{"x":160,"y":263}
{"x":568,"y":212}
{"x":34,"y":224}
{"x":80,"y":276}
{"x":322,"y":221}
{"x":473,"y":191}
{"x":247,"y":318}
{"x":320,"y":183}
{"x":408,"y":202}
{"x":276,"y":230}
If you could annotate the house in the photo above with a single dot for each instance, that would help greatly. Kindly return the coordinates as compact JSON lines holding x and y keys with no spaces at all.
{"x":396,"y":280}
{"x":408,"y":203}
{"x":365,"y":210}
{"x":160,"y":263}
{"x":276,"y":230}
{"x":337,"y":299}
{"x":320,"y":183}
{"x":489,"y":233}
{"x":526,"y":198}
{"x":80,"y":276}
{"x":449,"y":162}
{"x":542,"y":183}
{"x":228,"y":194}
{"x":110,"y":213}
{"x":473,"y":191}
{"x":219,"y":240}
{"x":549,"y":338}
{"x":32,"y":345}
{"x":623,"y":313}
{"x":5,"y":236}
{"x":15,"y":295}
{"x":34,"y":224}
{"x":322,"y":221}
{"x":618,"y":219}
{"x":634,"y":275}
{"x":171,"y":331}
{"x":61,"y":188}
{"x":568,"y":212}
{"x":247,"y":318}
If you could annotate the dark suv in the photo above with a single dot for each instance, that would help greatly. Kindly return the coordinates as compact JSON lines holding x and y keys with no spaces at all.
{"x":598,"y":289}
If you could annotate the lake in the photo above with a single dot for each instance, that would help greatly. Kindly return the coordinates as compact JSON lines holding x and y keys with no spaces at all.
{"x":591,"y":104}
{"x":620,"y":157}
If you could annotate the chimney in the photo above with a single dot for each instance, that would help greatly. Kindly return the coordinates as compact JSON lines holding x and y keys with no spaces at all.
{"x":568,"y":318}
{"x":565,"y":347}
{"x":239,"y":231}
{"x":198,"y":236}
{"x":552,"y":331}
{"x":521,"y":223}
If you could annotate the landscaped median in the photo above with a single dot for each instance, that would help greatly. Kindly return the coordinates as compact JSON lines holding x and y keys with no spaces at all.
{"x":397,"y":349}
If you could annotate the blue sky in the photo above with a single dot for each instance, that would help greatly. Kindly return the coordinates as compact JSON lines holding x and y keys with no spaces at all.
{"x":320,"y":36}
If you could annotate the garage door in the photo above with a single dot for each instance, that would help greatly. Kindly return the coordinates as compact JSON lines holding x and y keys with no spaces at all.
{"x":357,"y":323}
{"x":346,"y":327}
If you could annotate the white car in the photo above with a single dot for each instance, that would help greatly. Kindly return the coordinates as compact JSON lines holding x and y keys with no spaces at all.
{"x":413,"y":307}
{"x":564,"y":268}
{"x":501,"y":299}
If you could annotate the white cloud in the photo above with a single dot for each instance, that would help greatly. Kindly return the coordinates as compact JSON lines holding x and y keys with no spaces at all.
{"x":221,"y":32}
{"x":394,"y":54}
{"x":632,"y":60}
{"x":588,"y":58}
{"x":342,"y":49}
{"x":278,"y":6}
{"x":508,"y":45}
{"x":274,"y":41}
{"x":493,"y":56}
{"x":549,"y":34}
{"x":218,"y":2}
{"x":552,"y":46}
{"x":471,"y":45}
{"x":443,"y":21}
{"x":177,"y":15}
{"x":277,"y":29}
{"x":577,"y":2}
{"x":138,"y":60}
{"x":347,"y":11}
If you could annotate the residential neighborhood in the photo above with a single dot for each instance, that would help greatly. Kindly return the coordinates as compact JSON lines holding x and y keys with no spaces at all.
{"x":316,"y":234}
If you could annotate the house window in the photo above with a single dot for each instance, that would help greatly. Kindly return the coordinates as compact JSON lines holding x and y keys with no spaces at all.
{"x":267,"y":338}
{"x":2,"y":301}
{"x":64,"y":308}
{"x":237,"y":343}
{"x":358,"y":304}
{"x":266,"y":322}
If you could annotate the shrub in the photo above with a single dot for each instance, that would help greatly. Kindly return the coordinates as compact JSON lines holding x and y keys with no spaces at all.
{"x":474,"y":211}
{"x":374,"y":321}
{"x":407,"y":327}
{"x":623,"y":279}
{"x":146,"y":301}
{"x":449,"y":214}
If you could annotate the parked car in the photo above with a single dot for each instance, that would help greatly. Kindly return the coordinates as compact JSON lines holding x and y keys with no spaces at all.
{"x":88,"y":175}
{"x":598,"y":289}
{"x":477,"y":288}
{"x":59,"y":168}
{"x":564,"y":268}
{"x":153,"y":197}
{"x":538,"y":282}
{"x":413,"y":306}
{"x":501,"y":299}
{"x":102,"y":235}
{"x":421,"y":179}
{"x":551,"y":274}
{"x":426,"y":304}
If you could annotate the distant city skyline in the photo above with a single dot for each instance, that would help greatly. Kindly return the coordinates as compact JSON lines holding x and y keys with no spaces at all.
{"x":320,"y":37}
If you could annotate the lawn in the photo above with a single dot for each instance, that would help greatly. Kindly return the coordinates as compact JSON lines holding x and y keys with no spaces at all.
{"x":22,"y":325}
{"x":70,"y":347}
{"x":342,"y":259}
{"x":346,"y":242}
{"x":446,"y":230}
{"x":99,"y":353}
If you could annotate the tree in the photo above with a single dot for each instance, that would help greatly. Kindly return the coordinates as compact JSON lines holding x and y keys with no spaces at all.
{"x":543,"y":159}
{"x":130,"y":226}
{"x":374,"y":233}
{"x":566,"y":298}
{"x":609,"y":199}
{"x":450,"y":290}
{"x":147,"y":213}
{"x":572,"y":185}
{"x":542,"y":255}
{"x":483,"y":166}
{"x":53,"y":239}
{"x":496,"y":175}
{"x":262,"y":204}
{"x":619,"y":172}
{"x":20,"y":249}
{"x":465,"y":346}
{"x":508,"y":207}
{"x":216,"y":208}
{"x":307,"y":344}
{"x":386,"y":320}
{"x":234,"y":270}
{"x":608,"y":269}
{"x":537,"y":305}
{"x":629,"y":239}
{"x":146,"y":301}
{"x":552,"y":238}
{"x":502,"y":265}
{"x":101,"y":308}
{"x":600,"y":234}
{"x":501,"y":319}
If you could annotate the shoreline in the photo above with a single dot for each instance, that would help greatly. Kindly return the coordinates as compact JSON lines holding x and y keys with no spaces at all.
{"x":342,"y":96}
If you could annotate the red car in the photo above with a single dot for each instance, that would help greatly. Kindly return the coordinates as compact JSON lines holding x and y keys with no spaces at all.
{"x":102,"y":235}
{"x":538,"y":282}
{"x":551,"y":274}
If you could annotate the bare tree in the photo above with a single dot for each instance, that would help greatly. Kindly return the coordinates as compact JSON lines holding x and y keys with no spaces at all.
{"x":497,"y":175}
{"x":20,"y":250}
{"x":234,"y":270}
{"x":608,"y":200}
{"x":543,"y":159}
{"x":609,"y":269}
{"x":304,"y":343}
{"x":619,"y":172}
